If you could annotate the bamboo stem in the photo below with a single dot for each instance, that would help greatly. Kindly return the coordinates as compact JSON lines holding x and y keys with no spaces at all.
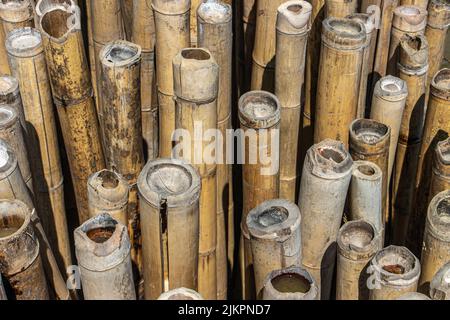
{"x":340,"y":8}
{"x":16,"y":14}
{"x":127,"y":7}
{"x":419,"y":3}
{"x":440,"y":177}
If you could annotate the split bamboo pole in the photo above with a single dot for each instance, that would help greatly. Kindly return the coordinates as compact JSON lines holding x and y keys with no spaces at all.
{"x":325,"y":181}
{"x":144,"y":36}
{"x":21,"y":263}
{"x":340,"y":8}
{"x":413,"y":67}
{"x":196,"y":85}
{"x":263,"y":67}
{"x":215,"y":33}
{"x":260,"y":115}
{"x":358,"y":243}
{"x":27,"y":61}
{"x":409,"y":20}
{"x":10,"y":95}
{"x":127,"y":7}
{"x":16,"y":14}
{"x":436,"y":242}
{"x":169,"y":192}
{"x":172,"y":35}
{"x":293,"y":283}
{"x":394,"y":272}
{"x":440,"y":176}
{"x":419,"y":3}
{"x":181,"y":294}
{"x":103,"y":252}
{"x":440,"y":286}
{"x":293,"y":25}
{"x":108,"y":191}
{"x":72,"y":94}
{"x":343,"y":42}
{"x":274,"y":228}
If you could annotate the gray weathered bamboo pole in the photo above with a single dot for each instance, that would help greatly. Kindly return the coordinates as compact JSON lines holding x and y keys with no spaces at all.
{"x":340,"y":8}
{"x":440,"y":286}
{"x":181,"y":294}
{"x":440,"y":176}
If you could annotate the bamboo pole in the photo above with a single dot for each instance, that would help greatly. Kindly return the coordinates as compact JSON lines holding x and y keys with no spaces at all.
{"x":42,"y":5}
{"x":172,"y":35}
{"x":245,"y":40}
{"x":181,"y":294}
{"x":108,"y":192}
{"x":21,"y":262}
{"x":144,"y":36}
{"x":263,"y":66}
{"x":419,"y":3}
{"x":3,"y":296}
{"x":274,"y":228}
{"x":440,"y":176}
{"x":366,"y":195}
{"x":169,"y":192}
{"x":293,"y":283}
{"x":196,"y":106}
{"x":215,"y":33}
{"x":439,"y":286}
{"x":409,"y":20}
{"x":326,"y":177}
{"x":4,"y":66}
{"x":91,"y":52}
{"x":343,"y":43}
{"x":413,"y":68}
{"x":103,"y":252}
{"x":370,"y":141}
{"x":436,"y":241}
{"x":395,"y":271}
{"x":259,"y":114}
{"x":16,"y":14}
{"x":410,"y":296}
{"x":72,"y":94}
{"x":127,"y":7}
{"x":340,"y":8}
{"x":293,"y":26}
{"x":193,"y":21}
{"x":10,"y":95}
{"x":27,"y":61}
{"x":357,"y":243}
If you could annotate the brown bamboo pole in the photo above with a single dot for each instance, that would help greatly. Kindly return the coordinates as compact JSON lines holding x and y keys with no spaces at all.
{"x":263,"y":67}
{"x":72,"y":94}
{"x":181,"y":294}
{"x":91,"y":52}
{"x":439,"y":286}
{"x":325,"y":181}
{"x":10,"y":95}
{"x":215,"y":33}
{"x":127,"y":7}
{"x":172,"y":35}
{"x":21,"y":262}
{"x":394,"y":272}
{"x":343,"y":43}
{"x":259,"y":115}
{"x":440,"y":176}
{"x":292,"y":283}
{"x":108,"y":192}
{"x":274,"y":228}
{"x":4,"y":66}
{"x":144,"y":36}
{"x":410,"y":20}
{"x":340,"y":8}
{"x":293,"y":26}
{"x":245,"y":40}
{"x":27,"y":61}
{"x":15,"y":14}
{"x":413,"y":67}
{"x":436,"y":241}
{"x":169,"y":192}
{"x":419,"y":3}
{"x":196,"y":106}
{"x":357,"y":243}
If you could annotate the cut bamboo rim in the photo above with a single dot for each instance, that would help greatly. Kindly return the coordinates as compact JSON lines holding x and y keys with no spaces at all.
{"x":293,"y":283}
{"x":293,"y":26}
{"x":43,"y":5}
{"x":274,"y":229}
{"x":358,"y":241}
{"x":396,"y":272}
{"x":21,"y":261}
{"x":16,"y":14}
{"x":10,"y":95}
{"x":410,"y":296}
{"x":169,"y":192}
{"x":440,"y":285}
{"x":340,"y":8}
{"x":440,"y":177}
{"x":181,"y":294}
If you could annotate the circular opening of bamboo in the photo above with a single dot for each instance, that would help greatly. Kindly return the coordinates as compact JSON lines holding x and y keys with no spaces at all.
{"x":357,"y":235}
{"x":366,"y":170}
{"x":4,"y":154}
{"x":181,"y":294}
{"x":108,"y":179}
{"x":259,"y":109}
{"x":397,"y":261}
{"x":58,"y":21}
{"x":438,"y":216}
{"x":272,"y":216}
{"x":101,"y":235}
{"x":169,"y":179}
{"x":44,"y":5}
{"x":11,"y":222}
{"x":215,"y":12}
{"x":392,"y":85}
{"x":121,"y":53}
{"x":8,"y":85}
{"x":291,"y":283}
{"x":443,"y":152}
{"x":195,"y":54}
{"x":369,"y":131}
{"x":23,"y":40}
{"x":408,"y":10}
{"x":295,"y":8}
{"x":441,"y":80}
{"x":7,"y":116}
{"x":345,"y":27}
{"x":443,"y":209}
{"x":14,"y":5}
{"x":409,"y":18}
{"x":100,"y":228}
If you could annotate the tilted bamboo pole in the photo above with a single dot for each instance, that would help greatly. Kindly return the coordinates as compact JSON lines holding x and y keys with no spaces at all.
{"x":27,"y":61}
{"x":343,"y":42}
{"x":419,"y":3}
{"x":325,"y":181}
{"x":15,"y":14}
{"x":439,"y":286}
{"x":215,"y":33}
{"x":196,"y":106}
{"x":181,"y":294}
{"x":440,"y":176}
{"x":340,"y":8}
{"x":10,"y":95}
{"x":169,"y":192}
{"x":172,"y":35}
{"x":72,"y":94}
{"x":293,"y":25}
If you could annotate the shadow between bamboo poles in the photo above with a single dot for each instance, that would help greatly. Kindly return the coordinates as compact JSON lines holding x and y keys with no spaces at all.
{"x":245,"y":39}
{"x":439,"y":286}
{"x":28,"y":64}
{"x":10,"y":95}
{"x":181,"y":294}
{"x":12,"y":186}
{"x":172,"y":35}
{"x":340,"y":8}
{"x":440,"y":177}
{"x":409,"y":20}
{"x":144,"y":36}
{"x":293,"y":26}
{"x":358,"y":241}
{"x":21,"y":263}
{"x":293,"y":283}
{"x":72,"y":94}
{"x":196,"y":105}
{"x":169,"y":192}
{"x":343,"y":42}
{"x":260,"y":115}
{"x":274,"y":228}
{"x":325,"y":181}
{"x":413,"y":67}
{"x":419,"y":3}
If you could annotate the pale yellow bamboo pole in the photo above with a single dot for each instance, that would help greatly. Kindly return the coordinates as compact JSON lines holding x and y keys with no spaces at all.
{"x":193,"y":21}
{"x":340,"y":8}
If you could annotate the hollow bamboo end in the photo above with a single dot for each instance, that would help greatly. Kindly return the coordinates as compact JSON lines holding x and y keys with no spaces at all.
{"x":176,"y":7}
{"x":358,"y":240}
{"x":6,"y":156}
{"x":366,"y":170}
{"x":440,"y":85}
{"x":215,"y":12}
{"x":391,"y":88}
{"x":120,"y":53}
{"x":368,"y":132}
{"x":9,"y":88}
{"x":438,"y":218}
{"x":58,"y":22}
{"x":8,"y":116}
{"x":329,"y":159}
{"x":259,"y":110}
{"x":343,"y":33}
{"x":109,"y":186}
{"x":16,"y":11}
{"x":24,"y":42}
{"x":413,"y":53}
{"x":440,"y":285}
{"x":181,"y":294}
{"x":443,"y":152}
{"x":294,"y":17}
{"x":439,"y":14}
{"x":409,"y":18}
{"x":43,"y":5}
{"x":367,"y":19}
